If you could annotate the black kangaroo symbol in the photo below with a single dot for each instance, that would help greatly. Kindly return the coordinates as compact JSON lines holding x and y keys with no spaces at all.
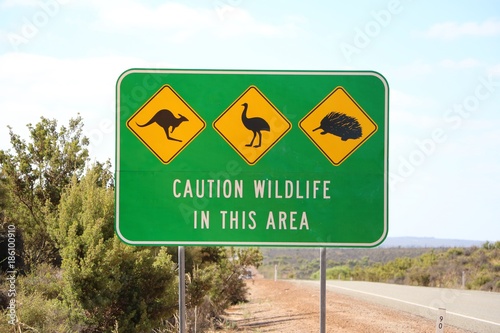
{"x":255,"y":125}
{"x":166,"y":119}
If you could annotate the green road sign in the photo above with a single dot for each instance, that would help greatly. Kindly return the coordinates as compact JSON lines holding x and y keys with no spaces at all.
{"x":252,"y":158}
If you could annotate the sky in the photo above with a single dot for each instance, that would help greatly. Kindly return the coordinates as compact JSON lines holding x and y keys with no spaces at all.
{"x":61,"y":58}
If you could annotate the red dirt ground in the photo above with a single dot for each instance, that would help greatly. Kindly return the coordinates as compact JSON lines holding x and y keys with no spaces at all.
{"x":283,"y":306}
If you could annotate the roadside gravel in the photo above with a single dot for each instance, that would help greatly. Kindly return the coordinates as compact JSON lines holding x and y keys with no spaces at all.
{"x":283,"y":306}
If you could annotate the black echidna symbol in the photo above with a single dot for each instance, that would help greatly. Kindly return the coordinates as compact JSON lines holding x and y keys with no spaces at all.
{"x":341,"y":125}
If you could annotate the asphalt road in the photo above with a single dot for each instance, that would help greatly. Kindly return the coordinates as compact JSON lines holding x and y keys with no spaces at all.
{"x":476,"y":311}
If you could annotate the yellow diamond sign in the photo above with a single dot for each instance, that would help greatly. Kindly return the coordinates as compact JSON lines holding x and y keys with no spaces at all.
{"x":338,"y":126}
{"x":166,"y":124}
{"x":252,"y":125}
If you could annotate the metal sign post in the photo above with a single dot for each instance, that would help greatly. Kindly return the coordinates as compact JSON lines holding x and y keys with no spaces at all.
{"x":182,"y":288}
{"x":322,"y":300}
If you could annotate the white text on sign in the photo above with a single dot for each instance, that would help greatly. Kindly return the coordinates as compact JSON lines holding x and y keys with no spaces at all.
{"x":268,"y":189}
{"x":259,"y":189}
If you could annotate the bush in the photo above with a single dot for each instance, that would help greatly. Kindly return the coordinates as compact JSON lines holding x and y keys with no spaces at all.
{"x":108,"y":284}
{"x":481,"y":282}
{"x":38,"y":308}
{"x":420,"y":277}
{"x":454,"y":252}
{"x":342,"y":272}
{"x":45,"y":279}
{"x":46,"y":315}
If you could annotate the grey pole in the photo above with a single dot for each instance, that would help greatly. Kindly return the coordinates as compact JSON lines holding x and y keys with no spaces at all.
{"x":182,"y":289}
{"x":322,"y":300}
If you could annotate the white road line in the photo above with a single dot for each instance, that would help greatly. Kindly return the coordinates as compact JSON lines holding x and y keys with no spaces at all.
{"x":420,"y":305}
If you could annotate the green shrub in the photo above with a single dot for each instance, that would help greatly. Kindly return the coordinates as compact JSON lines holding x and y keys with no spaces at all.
{"x":342,"y":272}
{"x":45,"y":279}
{"x":36,"y":313}
{"x":106,"y":282}
{"x":481,"y":281}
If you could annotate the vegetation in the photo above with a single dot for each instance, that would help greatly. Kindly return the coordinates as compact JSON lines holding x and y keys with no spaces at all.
{"x":475,"y":268}
{"x":36,"y":174}
{"x":72,"y":274}
{"x":302,"y":263}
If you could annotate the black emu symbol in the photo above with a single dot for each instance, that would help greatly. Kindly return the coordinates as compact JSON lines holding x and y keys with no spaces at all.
{"x":341,"y":125}
{"x":166,"y":119}
{"x":256,"y":125}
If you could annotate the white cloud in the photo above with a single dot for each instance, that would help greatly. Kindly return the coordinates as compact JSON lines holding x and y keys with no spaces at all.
{"x":494,"y":70}
{"x":417,"y":68}
{"x":179,"y":22}
{"x":460,"y":64}
{"x":32,"y":86}
{"x":45,"y":79}
{"x":402,"y":101}
{"x":411,"y":117}
{"x":241,"y":22}
{"x":135,"y":15}
{"x":477,"y":140}
{"x":454,"y":30}
{"x":19,"y":3}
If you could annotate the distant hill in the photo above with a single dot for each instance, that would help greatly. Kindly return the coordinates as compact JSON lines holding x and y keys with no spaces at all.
{"x":428,"y":242}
